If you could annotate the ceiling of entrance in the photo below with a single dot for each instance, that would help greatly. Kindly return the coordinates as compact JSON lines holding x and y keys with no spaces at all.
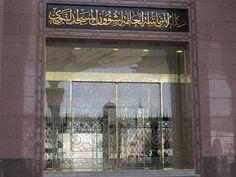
{"x":125,"y":60}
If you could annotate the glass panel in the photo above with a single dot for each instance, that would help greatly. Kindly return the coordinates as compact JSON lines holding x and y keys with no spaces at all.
{"x":57,"y":113}
{"x":139,"y":114}
{"x":90,"y":98}
{"x":139,"y":99}
{"x":90,"y":103}
{"x":117,"y":106}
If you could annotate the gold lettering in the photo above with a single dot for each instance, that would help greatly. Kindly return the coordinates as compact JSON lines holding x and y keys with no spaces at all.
{"x":54,"y":17}
{"x":115,"y":18}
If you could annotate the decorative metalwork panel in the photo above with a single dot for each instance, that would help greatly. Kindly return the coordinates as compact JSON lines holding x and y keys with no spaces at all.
{"x":90,"y":143}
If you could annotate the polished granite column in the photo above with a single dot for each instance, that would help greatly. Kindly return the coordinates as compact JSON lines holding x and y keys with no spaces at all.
{"x":216,"y":26}
{"x":18,"y":39}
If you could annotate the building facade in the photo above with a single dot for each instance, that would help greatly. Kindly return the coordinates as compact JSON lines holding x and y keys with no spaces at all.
{"x":117,"y":88}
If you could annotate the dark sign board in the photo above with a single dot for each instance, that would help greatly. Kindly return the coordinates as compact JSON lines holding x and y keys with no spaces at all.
{"x":117,"y":18}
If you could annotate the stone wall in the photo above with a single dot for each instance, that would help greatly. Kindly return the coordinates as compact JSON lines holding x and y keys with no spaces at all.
{"x":216,"y":26}
{"x":18,"y":37}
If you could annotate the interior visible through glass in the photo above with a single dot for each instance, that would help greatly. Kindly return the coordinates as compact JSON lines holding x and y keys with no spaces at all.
{"x":112,"y":107}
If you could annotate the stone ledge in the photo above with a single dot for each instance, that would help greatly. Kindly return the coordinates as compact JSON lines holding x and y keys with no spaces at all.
{"x":133,"y":173}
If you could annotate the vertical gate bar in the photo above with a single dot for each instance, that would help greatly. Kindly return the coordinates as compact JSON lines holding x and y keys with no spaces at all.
{"x":144,"y":148}
{"x":117,"y":130}
{"x":54,"y":138}
{"x":96,"y":144}
{"x":71,"y":122}
{"x":161,"y":125}
{"x":70,"y":106}
{"x":62,"y":132}
{"x":108,"y":135}
{"x":179,"y":96}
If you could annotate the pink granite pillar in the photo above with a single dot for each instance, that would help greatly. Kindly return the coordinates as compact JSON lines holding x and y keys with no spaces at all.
{"x":18,"y":37}
{"x":216,"y":26}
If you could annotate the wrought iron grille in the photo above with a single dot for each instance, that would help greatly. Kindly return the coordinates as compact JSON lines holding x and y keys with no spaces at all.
{"x":85,"y":142}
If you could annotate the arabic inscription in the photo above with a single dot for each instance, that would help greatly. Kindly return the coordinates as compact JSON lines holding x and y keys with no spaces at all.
{"x":83,"y":16}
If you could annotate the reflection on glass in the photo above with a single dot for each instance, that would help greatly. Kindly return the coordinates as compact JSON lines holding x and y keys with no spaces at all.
{"x":114,"y":107}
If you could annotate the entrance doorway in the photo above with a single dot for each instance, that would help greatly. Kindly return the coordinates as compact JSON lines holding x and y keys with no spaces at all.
{"x":113,"y":126}
{"x":112,"y":108}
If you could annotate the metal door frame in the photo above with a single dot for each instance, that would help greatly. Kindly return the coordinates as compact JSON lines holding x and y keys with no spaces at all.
{"x":117,"y":112}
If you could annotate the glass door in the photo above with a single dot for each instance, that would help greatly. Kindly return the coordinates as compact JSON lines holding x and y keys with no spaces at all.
{"x":112,"y":126}
{"x":91,"y":142}
{"x":115,"y":126}
{"x":139,"y":108}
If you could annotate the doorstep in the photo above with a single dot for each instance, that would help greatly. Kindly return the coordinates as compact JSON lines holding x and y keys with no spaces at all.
{"x":132,"y":173}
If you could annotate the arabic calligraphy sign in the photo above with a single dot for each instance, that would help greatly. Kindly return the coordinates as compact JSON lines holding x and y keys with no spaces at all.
{"x":117,"y":18}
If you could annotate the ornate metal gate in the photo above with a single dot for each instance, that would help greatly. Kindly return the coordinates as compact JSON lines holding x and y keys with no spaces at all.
{"x":110,"y":140}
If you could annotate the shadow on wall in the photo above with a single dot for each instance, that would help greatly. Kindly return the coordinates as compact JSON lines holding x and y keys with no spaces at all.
{"x":218,"y":164}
